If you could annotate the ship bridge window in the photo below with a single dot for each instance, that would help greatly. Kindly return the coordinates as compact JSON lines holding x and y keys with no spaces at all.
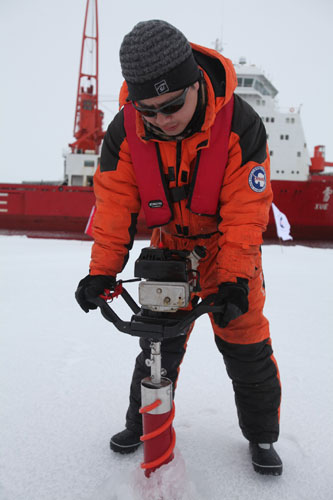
{"x":261,"y":87}
{"x":272,"y":119}
{"x":240,"y":82}
{"x":299,"y":154}
{"x":89,"y":163}
{"x":248,"y":82}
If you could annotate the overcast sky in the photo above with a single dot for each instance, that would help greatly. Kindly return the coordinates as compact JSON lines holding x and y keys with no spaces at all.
{"x":40,"y":43}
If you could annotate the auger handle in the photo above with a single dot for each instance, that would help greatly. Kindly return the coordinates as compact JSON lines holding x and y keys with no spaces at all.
{"x":151,"y":327}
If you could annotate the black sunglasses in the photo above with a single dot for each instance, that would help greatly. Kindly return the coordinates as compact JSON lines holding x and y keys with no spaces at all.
{"x":168,"y":108}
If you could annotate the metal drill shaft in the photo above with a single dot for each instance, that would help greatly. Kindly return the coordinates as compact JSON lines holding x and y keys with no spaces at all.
{"x":156,"y":362}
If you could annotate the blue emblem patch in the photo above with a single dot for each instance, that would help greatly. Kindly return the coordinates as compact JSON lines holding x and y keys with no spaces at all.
{"x":257,"y":179}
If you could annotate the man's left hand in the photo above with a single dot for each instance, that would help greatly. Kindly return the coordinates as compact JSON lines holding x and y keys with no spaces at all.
{"x":234,"y":296}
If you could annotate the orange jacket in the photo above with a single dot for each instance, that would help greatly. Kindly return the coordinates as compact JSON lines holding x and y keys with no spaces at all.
{"x":245,"y":195}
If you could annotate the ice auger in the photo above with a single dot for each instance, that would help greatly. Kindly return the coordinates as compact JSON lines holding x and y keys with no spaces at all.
{"x":167,"y":280}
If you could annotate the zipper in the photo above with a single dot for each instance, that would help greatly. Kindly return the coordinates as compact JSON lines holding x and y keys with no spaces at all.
{"x":178,"y":162}
{"x":178,"y":159}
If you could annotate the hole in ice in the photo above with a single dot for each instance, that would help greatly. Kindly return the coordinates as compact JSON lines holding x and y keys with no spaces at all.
{"x":170,"y":482}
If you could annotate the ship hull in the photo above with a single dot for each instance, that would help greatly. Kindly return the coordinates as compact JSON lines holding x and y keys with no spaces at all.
{"x":45,"y":210}
{"x":308,"y":206}
{"x":63,"y":211}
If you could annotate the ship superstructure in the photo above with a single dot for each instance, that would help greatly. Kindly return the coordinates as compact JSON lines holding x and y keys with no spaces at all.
{"x":290,"y":159}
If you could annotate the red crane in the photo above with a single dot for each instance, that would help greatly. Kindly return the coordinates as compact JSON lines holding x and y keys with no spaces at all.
{"x":88,"y":123}
{"x":318,"y":161}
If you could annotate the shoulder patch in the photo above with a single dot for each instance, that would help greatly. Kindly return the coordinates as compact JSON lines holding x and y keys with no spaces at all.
{"x":257,"y":179}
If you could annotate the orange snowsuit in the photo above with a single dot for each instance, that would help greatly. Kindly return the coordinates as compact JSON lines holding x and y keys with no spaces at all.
{"x":234,"y":247}
{"x":232,"y":237}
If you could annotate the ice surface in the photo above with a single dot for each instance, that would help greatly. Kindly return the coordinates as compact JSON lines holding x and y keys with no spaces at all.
{"x":171,"y":482}
{"x":64,"y":378}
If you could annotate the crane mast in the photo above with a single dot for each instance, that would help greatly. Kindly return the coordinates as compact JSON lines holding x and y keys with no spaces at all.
{"x":81,"y":163}
{"x":88,"y":118}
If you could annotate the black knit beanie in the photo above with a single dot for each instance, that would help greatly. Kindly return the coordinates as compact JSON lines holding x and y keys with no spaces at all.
{"x":156,"y":58}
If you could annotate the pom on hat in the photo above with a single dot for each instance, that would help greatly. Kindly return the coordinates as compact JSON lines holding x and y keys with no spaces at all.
{"x":156,"y":58}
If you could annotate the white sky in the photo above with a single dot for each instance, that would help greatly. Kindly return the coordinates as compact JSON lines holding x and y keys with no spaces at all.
{"x":40,"y":44}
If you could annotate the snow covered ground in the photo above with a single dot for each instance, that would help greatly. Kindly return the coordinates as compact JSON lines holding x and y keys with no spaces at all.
{"x":65,"y":376}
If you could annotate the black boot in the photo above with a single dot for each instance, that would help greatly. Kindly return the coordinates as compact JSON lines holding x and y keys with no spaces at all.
{"x":125,"y":441}
{"x":265,"y":460}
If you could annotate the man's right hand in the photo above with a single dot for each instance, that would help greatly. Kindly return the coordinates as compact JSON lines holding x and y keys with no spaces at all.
{"x":91,"y":287}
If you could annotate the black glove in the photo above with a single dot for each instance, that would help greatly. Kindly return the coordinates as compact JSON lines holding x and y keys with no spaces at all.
{"x":234,"y":297}
{"x":91,"y":287}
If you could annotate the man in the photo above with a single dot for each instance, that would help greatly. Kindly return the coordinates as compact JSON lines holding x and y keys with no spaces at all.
{"x":194,"y":155}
